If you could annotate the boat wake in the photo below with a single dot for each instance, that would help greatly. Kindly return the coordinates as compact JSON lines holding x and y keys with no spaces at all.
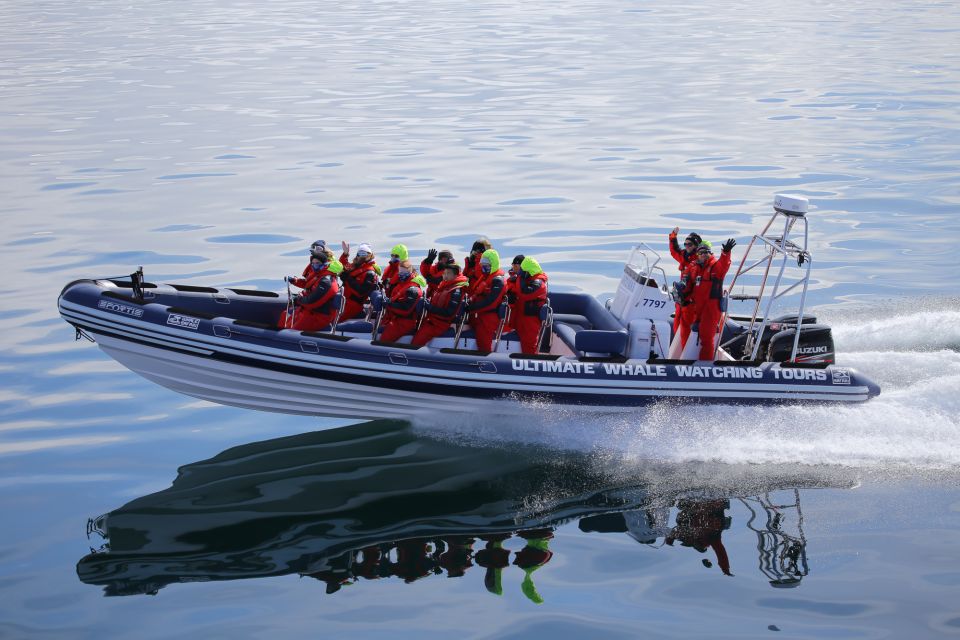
{"x":912,"y":427}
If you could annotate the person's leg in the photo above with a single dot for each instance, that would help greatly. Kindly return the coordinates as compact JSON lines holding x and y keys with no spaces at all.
{"x":428,"y":331}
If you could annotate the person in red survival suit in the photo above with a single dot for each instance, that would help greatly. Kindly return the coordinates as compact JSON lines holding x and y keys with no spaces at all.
{"x":685,"y":258}
{"x":486,"y":294}
{"x":706,"y":282}
{"x":400,"y":311}
{"x":359,"y":278}
{"x":442,"y":307}
{"x":512,"y":277}
{"x":313,"y":310}
{"x":471,"y":264}
{"x":398,"y":253}
{"x":531,"y":295}
{"x":433,"y":273}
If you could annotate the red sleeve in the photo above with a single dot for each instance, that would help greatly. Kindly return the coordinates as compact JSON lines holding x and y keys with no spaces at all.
{"x":345,"y":260}
{"x":675,"y":250}
{"x":722,"y":266}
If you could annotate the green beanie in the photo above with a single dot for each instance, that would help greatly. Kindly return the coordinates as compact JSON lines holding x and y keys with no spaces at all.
{"x":706,"y":244}
{"x":421,"y":281}
{"x":334,"y":267}
{"x":400,"y":250}
{"x":531,"y":266}
{"x":493,"y":257}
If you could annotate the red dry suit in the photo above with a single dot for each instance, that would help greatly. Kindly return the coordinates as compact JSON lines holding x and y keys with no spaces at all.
{"x":684,"y":259}
{"x":486,"y":294}
{"x":358,"y":283}
{"x":531,"y":294}
{"x":391,"y":276}
{"x":400,"y":311}
{"x":314,"y":310}
{"x":706,"y":291}
{"x":433,"y":274}
{"x":686,"y":313}
{"x":471,"y":269}
{"x":441,"y":310}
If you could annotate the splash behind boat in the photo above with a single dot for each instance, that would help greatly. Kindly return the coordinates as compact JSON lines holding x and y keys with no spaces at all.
{"x":222,"y":345}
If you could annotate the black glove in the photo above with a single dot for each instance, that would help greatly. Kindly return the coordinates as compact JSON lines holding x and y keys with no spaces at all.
{"x":478,"y":246}
{"x":290,"y":279}
{"x":295,"y":299}
{"x":470,"y":261}
{"x":431,"y":255}
{"x":466,"y":307}
{"x":729,"y":245}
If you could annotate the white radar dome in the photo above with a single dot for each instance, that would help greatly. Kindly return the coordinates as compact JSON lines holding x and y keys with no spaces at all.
{"x":791,"y":205}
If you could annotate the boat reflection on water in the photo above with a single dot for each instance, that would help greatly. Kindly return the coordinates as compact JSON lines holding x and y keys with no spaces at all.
{"x":381,"y":500}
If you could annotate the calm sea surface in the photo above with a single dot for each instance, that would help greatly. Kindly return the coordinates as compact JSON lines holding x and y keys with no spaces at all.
{"x":212,"y":141}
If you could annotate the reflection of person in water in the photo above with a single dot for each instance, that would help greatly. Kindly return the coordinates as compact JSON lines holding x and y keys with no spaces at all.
{"x":533,"y":556}
{"x":413,"y":560}
{"x":456,"y":559}
{"x":699,"y":525}
{"x":494,"y":558}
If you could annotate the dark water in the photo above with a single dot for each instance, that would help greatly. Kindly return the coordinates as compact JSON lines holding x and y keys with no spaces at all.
{"x":212,"y":142}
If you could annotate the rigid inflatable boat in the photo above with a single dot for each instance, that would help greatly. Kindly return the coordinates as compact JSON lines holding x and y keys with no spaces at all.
{"x":380,"y":501}
{"x":223,"y":345}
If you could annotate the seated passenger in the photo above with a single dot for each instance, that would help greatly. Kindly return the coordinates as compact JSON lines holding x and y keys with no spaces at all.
{"x":442,"y":307}
{"x":433,"y":274}
{"x":319,"y":249}
{"x":400,"y":310}
{"x":531,"y":292}
{"x":398,"y":253}
{"x":471,"y":264}
{"x":313,"y":310}
{"x":486,"y":294}
{"x":512,"y":276}
{"x":359,"y":279}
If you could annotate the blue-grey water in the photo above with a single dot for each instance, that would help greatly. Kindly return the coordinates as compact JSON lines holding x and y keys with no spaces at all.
{"x":212,"y":141}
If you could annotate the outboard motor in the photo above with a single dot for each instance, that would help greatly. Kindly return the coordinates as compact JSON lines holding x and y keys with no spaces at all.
{"x":734,"y":336}
{"x":815,"y":346}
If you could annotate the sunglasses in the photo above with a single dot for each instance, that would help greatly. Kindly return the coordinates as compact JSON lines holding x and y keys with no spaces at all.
{"x":362,"y":254}
{"x":688,"y":244}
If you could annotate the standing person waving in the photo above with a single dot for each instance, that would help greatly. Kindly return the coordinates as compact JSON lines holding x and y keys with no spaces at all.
{"x":706,"y":292}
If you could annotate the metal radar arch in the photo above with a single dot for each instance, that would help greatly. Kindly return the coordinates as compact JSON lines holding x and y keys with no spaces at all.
{"x":782,"y":241}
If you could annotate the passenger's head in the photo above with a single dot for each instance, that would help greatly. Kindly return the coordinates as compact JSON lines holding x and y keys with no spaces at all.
{"x":319,"y":247}
{"x":445,"y":257}
{"x":691,"y":242}
{"x":531,"y":267}
{"x":364,"y":253}
{"x":704,"y":251}
{"x":489,"y":261}
{"x":517,"y":261}
{"x":399,"y":252}
{"x":316,"y":262}
{"x":481,"y":245}
{"x":405,"y":270}
{"x":451,"y":271}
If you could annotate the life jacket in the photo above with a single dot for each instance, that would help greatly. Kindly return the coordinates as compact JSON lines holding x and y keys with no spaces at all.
{"x":706,"y":280}
{"x":320,"y":290}
{"x":484,"y":296}
{"x":433,"y":274}
{"x":402,"y":304}
{"x":357,"y":281}
{"x":391,"y":276}
{"x":441,"y":301}
{"x":530,"y":295}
